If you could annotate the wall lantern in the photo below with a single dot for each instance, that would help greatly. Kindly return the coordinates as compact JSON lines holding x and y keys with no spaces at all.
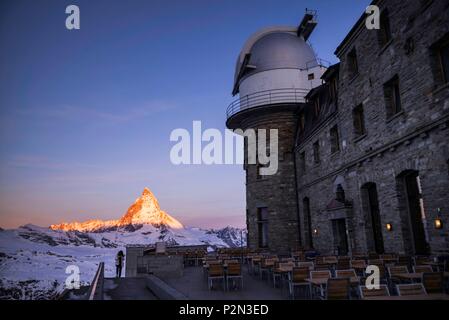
{"x":438,"y":223}
{"x":389,"y":226}
{"x":315,"y":231}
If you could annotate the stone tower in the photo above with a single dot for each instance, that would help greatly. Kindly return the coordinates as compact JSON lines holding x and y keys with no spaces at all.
{"x":275,"y":70}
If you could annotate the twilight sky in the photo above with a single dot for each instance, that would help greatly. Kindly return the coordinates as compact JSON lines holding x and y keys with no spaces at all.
{"x":86,"y":115}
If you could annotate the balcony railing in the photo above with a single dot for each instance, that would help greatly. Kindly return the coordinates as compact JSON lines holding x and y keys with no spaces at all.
{"x":276,"y":96}
{"x":95,"y":291}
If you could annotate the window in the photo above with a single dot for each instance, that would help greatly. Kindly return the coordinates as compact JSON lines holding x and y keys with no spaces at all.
{"x":308,"y":222}
{"x":353,"y":66}
{"x":302,"y":161}
{"x":262,"y":217}
{"x":359,"y":121}
{"x":310,"y":76}
{"x":335,"y":140}
{"x":384,"y":31}
{"x":439,"y":52}
{"x":333,"y":90}
{"x":302,"y":122}
{"x":258,"y":167}
{"x":443,"y":53}
{"x":317,"y":108}
{"x":316,"y":152}
{"x":392,"y":97}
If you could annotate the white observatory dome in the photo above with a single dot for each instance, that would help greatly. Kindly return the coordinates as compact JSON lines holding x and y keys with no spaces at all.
{"x":275,"y":66}
{"x":279,"y":51}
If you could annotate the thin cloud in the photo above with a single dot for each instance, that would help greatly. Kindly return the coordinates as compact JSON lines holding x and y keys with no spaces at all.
{"x":98,"y":115}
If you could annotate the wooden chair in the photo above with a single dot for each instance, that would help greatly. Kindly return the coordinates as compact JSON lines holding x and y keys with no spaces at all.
{"x":373,"y":255}
{"x":404,"y":261}
{"x":343,"y":263}
{"x":387,"y":256}
{"x":376,"y":262}
{"x":422,"y":269}
{"x":266,"y":265}
{"x":381,"y":292}
{"x":420,"y":260}
{"x":393,"y":280}
{"x":278,"y":274}
{"x":296,"y":278}
{"x":234,"y":271}
{"x":394,"y":270}
{"x":306,"y":264}
{"x":320,"y":274}
{"x":359,"y":266}
{"x":330,"y":259}
{"x":389,"y":259}
{"x":337,"y":289}
{"x":410,"y":289}
{"x":298,"y":255}
{"x":215,"y":272}
{"x":349,"y":273}
{"x":358,"y":256}
{"x":433,"y":282}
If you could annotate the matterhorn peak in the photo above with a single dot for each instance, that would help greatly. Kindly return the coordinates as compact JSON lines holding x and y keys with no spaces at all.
{"x":145,"y":210}
{"x":147,"y":192}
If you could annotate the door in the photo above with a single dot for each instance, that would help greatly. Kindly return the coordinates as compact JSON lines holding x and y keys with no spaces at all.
{"x":416,"y":212}
{"x":340,"y":236}
{"x":375,"y":218}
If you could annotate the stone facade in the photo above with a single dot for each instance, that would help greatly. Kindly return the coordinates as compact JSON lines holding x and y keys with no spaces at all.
{"x":344,"y":175}
{"x":275,"y":192}
{"x":415,"y":140}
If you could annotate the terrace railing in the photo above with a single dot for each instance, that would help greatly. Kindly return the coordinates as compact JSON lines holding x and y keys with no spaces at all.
{"x":95,"y":291}
{"x":258,"y":99}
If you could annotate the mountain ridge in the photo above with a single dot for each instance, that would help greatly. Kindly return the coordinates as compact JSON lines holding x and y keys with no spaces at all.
{"x":144,"y":210}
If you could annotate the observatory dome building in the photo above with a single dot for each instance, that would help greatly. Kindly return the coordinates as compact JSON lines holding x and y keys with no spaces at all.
{"x":363,"y":152}
{"x":275,"y":71}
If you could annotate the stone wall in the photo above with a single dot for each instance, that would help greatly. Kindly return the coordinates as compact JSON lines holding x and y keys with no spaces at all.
{"x":414,"y":139}
{"x":276,"y":192}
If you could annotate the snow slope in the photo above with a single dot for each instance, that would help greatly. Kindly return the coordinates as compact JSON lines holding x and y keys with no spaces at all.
{"x":33,"y":259}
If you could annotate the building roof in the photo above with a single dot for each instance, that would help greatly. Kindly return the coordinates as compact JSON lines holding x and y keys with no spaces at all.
{"x":354,"y":29}
{"x":273,"y":48}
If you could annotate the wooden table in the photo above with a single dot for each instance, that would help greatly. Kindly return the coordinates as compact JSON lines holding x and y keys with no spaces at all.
{"x":414,"y":275}
{"x":323,"y":281}
{"x":409,"y":276}
{"x":434,"y":264}
{"x":433,"y":296}
{"x":282,"y":271}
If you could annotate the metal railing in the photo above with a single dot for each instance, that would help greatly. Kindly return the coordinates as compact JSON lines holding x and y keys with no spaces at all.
{"x":95,"y":291}
{"x":276,"y":96}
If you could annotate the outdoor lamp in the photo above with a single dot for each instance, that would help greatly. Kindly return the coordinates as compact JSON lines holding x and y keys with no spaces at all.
{"x":315,"y":231}
{"x":438,"y":223}
{"x":389,"y":227}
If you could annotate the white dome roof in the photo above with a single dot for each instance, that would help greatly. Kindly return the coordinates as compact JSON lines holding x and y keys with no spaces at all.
{"x":273,"y":49}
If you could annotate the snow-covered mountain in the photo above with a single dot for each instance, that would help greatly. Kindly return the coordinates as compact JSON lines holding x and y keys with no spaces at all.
{"x":33,"y":259}
{"x":145,"y":210}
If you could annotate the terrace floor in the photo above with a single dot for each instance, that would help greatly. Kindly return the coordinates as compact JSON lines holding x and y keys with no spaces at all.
{"x":126,"y":289}
{"x":193,"y":285}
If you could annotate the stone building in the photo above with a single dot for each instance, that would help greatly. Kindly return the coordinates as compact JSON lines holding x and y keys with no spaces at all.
{"x":363,"y":144}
